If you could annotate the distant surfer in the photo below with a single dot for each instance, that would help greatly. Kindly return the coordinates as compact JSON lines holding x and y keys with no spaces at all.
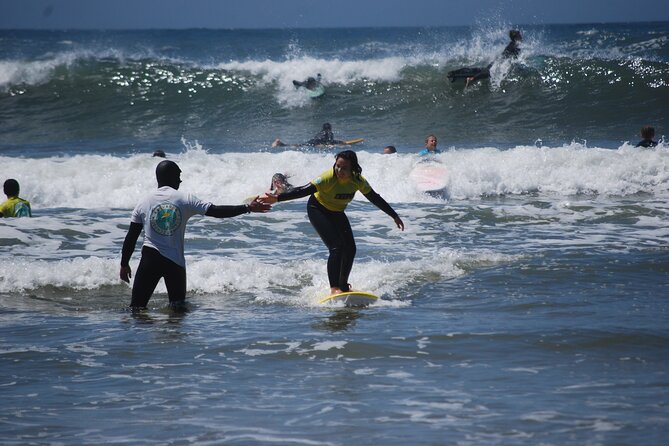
{"x":14,"y":206}
{"x":329,"y":194}
{"x":324,"y":138}
{"x":310,"y":83}
{"x":647,"y":133}
{"x":163,"y":215}
{"x":512,"y":50}
{"x":471,"y":75}
{"x":430,"y":146}
{"x":389,"y":150}
{"x":313,"y":86}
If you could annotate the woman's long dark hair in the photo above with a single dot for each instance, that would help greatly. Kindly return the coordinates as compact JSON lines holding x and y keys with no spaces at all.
{"x":350,"y":155}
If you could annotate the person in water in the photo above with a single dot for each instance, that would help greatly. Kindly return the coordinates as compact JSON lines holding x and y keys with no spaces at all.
{"x":387,"y":150}
{"x":310,"y":83}
{"x":163,"y":215}
{"x":512,"y":51}
{"x":648,"y":135}
{"x":324,"y":138}
{"x":280,"y":184}
{"x":14,"y":206}
{"x":430,"y":146}
{"x":329,"y":194}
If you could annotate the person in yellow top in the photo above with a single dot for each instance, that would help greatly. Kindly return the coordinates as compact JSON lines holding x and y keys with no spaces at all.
{"x":329,"y":194}
{"x":14,"y":206}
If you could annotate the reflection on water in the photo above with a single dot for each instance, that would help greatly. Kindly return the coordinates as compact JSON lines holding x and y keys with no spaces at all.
{"x":341,"y":320}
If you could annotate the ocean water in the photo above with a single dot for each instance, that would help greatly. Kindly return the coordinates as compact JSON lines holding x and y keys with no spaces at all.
{"x":525,"y":303}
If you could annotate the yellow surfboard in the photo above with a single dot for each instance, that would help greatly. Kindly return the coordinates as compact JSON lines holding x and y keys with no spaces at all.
{"x":349,"y":142}
{"x":351,"y":299}
{"x":280,"y":144}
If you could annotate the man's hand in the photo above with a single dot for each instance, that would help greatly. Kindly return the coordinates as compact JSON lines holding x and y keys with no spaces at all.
{"x":259,"y":205}
{"x":125,"y":274}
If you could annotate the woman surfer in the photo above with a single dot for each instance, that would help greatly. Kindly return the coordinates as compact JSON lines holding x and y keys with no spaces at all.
{"x":329,"y":194}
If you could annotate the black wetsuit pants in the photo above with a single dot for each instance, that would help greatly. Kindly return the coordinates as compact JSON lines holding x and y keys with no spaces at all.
{"x":335,"y":231}
{"x":151,"y":268}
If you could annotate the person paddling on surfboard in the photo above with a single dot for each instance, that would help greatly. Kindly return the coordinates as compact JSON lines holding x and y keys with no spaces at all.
{"x":310,"y":84}
{"x":512,"y":50}
{"x":329,"y":194}
{"x":163,"y":215}
{"x":324,"y":138}
{"x":471,"y":75}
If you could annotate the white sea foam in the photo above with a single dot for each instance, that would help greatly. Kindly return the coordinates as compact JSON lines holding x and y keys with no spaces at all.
{"x":95,"y":181}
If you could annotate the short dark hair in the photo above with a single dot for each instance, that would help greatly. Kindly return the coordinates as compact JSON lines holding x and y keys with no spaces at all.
{"x":11,"y":188}
{"x":647,"y":132}
{"x":391,"y":149}
{"x":167,"y":173}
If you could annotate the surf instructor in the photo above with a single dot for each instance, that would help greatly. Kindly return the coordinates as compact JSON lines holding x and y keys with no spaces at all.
{"x":163,"y":215}
{"x":329,"y":194}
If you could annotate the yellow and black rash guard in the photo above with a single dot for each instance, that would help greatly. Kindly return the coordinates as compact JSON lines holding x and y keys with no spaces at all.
{"x":335,"y":195}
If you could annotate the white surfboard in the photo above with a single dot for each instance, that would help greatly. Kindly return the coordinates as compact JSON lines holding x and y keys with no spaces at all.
{"x":429,"y":177}
{"x":351,"y":299}
{"x":316,"y":92}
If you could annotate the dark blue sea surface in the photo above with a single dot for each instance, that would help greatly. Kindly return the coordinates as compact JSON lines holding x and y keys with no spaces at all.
{"x":230,"y":89}
{"x":525,"y":303}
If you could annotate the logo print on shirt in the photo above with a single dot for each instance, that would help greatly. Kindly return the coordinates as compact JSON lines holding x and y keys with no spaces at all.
{"x":21,"y":210}
{"x":165,"y":219}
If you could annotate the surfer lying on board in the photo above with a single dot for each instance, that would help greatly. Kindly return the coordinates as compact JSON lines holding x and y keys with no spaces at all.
{"x":472,"y":75}
{"x":324,"y":138}
{"x":163,"y":215}
{"x":310,"y":84}
{"x":512,"y":50}
{"x":329,"y":194}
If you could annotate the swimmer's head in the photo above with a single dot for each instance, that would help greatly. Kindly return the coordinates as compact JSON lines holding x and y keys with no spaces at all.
{"x":648,"y":132}
{"x":168,"y":174}
{"x":280,"y":183}
{"x":11,"y":188}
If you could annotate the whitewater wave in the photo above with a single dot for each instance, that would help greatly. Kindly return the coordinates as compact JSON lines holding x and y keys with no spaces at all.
{"x":106,"y":181}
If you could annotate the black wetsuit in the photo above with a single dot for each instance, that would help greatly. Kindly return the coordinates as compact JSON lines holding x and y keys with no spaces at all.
{"x":335,"y":231}
{"x":473,"y":74}
{"x":647,"y":143}
{"x":324,"y":137}
{"x":511,"y":50}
